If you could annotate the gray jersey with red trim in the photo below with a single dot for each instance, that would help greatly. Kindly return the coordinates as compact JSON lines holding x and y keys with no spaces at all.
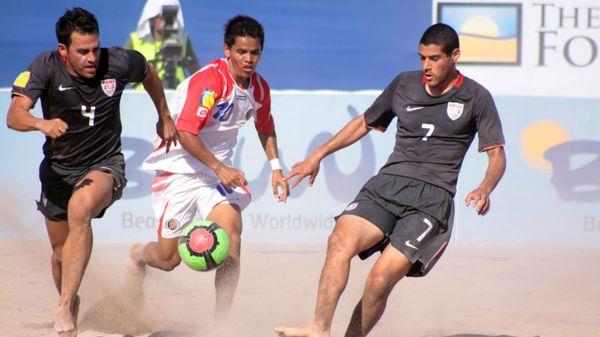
{"x":90,"y":107}
{"x":435,"y":132}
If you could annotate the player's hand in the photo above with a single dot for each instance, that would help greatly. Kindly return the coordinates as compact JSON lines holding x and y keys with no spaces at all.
{"x":231,"y":177}
{"x":479,"y":198}
{"x":308,"y":167}
{"x":166,"y":130}
{"x":52,"y":128}
{"x":277,"y":181}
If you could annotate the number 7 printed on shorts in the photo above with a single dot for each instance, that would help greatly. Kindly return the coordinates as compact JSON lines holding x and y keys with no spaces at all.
{"x":422,"y":236}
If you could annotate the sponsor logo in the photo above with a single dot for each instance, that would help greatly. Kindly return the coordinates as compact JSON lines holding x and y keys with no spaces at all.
{"x":61,"y":88}
{"x":22,"y":79}
{"x":207,"y":98}
{"x":172,"y":224}
{"x":489,"y":33}
{"x":413,"y":108}
{"x":455,"y":110}
{"x":351,"y":206}
{"x":202,"y":112}
{"x":408,"y":244}
{"x":109,"y":86}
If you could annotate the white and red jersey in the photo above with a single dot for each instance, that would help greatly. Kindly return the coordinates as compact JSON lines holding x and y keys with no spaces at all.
{"x":211,"y":105}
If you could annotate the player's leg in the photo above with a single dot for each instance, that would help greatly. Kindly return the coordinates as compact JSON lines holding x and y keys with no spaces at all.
{"x":161,"y":254}
{"x":57,"y":234}
{"x":416,"y":242}
{"x":174,"y":198}
{"x":352,"y":234}
{"x":227,"y":276}
{"x":91,"y":195}
{"x":390,"y":267}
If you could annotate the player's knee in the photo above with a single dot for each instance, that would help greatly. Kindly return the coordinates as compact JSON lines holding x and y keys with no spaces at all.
{"x":79,"y":215}
{"x":338,"y":246}
{"x":379,"y":283}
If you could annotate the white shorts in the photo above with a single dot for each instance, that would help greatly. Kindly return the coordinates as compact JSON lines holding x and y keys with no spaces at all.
{"x":178,"y":199}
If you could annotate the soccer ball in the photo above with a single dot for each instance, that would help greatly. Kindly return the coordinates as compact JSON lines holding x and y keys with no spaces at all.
{"x":204,"y":245}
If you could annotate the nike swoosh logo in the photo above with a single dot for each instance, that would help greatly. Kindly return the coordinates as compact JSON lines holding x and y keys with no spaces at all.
{"x":61,"y":88}
{"x":410,"y":245}
{"x":408,"y":108}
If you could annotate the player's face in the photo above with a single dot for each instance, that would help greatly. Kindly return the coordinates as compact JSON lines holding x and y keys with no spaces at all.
{"x":438,"y":68}
{"x":82,"y":55}
{"x":243,"y":57}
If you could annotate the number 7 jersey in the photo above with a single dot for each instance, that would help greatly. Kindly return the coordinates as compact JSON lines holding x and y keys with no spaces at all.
{"x":210,"y":105}
{"x":433,"y":133}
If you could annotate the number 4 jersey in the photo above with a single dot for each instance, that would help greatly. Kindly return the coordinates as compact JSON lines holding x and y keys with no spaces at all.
{"x":90,"y":107}
{"x":212,"y":106}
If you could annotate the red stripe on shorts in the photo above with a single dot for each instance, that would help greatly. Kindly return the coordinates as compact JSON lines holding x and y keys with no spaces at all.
{"x":160,"y":221}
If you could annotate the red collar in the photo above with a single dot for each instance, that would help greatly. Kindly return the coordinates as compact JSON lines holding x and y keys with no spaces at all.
{"x":458,"y":83}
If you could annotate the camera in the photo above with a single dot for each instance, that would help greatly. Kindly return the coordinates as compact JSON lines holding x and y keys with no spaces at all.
{"x":172,"y":49}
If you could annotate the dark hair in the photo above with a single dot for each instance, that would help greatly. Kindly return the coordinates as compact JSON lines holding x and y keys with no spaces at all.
{"x":442,"y":35}
{"x":243,"y":25}
{"x":75,"y":20}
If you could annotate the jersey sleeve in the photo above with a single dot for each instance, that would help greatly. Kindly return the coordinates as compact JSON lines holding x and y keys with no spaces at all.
{"x":489,"y":127}
{"x":380,"y":114}
{"x":138,"y":66}
{"x":204,"y":90}
{"x":35,"y":80}
{"x":264,"y":122}
{"x":129,"y":65}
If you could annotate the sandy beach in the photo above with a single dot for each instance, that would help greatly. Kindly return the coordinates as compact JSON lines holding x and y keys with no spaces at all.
{"x":472,"y":292}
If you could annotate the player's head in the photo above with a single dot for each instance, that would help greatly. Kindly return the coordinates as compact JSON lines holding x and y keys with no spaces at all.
{"x":78,"y":44}
{"x":439,"y":51}
{"x":244,"y":41}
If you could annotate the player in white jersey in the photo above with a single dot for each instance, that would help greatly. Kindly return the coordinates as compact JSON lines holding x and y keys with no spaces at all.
{"x":195,"y":179}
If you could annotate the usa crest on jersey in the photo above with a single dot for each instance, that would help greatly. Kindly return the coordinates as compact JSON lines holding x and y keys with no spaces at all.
{"x":109,"y":86}
{"x":454,"y":110}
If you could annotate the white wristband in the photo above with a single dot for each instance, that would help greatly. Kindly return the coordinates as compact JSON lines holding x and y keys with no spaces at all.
{"x":275,"y":164}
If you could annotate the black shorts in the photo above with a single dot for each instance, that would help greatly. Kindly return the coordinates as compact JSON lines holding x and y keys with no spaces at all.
{"x":58,"y":183}
{"x":414,"y":216}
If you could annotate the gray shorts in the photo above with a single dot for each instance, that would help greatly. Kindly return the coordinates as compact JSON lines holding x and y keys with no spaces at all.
{"x":58,"y":183}
{"x":414,"y":216}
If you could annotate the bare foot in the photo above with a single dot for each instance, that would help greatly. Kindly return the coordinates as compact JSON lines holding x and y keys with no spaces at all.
{"x":66,"y":320}
{"x":306,"y":330}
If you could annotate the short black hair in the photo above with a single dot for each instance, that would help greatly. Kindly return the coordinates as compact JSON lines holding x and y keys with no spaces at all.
{"x":442,"y":35}
{"x":243,"y":25}
{"x":75,"y":20}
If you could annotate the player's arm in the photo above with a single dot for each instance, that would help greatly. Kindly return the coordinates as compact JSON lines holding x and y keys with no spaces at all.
{"x":480,"y":197}
{"x":269,"y":144}
{"x":165,"y":127}
{"x":229,"y":176}
{"x":20,"y":119}
{"x":349,"y":134}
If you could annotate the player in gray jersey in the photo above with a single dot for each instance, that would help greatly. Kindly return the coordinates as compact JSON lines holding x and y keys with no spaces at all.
{"x":83,"y":171}
{"x":406,"y":210}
